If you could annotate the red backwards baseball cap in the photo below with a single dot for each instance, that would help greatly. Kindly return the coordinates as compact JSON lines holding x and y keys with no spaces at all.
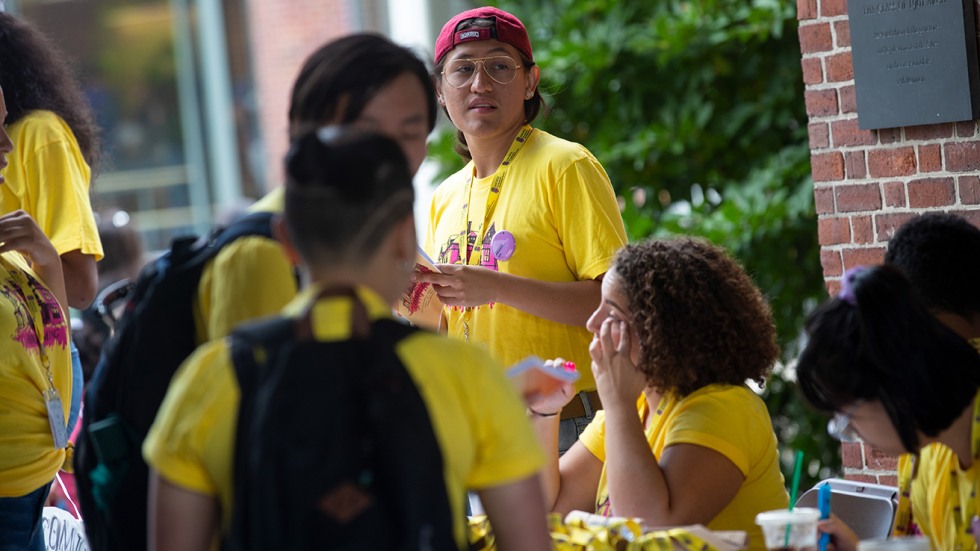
{"x":506,"y":28}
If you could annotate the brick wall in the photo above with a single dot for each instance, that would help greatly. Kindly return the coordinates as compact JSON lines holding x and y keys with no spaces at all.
{"x":869,"y":182}
{"x":282,"y":34}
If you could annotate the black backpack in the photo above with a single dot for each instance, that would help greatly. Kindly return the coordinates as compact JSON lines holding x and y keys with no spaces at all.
{"x":155,"y":333}
{"x":334,"y":447}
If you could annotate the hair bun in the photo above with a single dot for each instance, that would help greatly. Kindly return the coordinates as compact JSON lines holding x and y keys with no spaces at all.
{"x":353,"y":162}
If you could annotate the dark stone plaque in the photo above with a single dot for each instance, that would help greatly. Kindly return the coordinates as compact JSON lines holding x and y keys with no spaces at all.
{"x":915,"y":61}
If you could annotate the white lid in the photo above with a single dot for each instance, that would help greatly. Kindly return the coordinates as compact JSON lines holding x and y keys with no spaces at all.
{"x":785,"y":516}
{"x":895,"y":544}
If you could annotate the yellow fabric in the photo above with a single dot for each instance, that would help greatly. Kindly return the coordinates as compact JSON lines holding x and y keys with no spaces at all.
{"x":28,"y":459}
{"x":932,"y":507}
{"x":478,"y":418}
{"x":558,"y":203}
{"x":48,"y":178}
{"x":250,"y":278}
{"x":731,"y":420}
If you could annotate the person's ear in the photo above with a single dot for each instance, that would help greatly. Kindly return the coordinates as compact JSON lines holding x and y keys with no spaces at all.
{"x":437,"y":85}
{"x":281,"y":234}
{"x":531,"y":79}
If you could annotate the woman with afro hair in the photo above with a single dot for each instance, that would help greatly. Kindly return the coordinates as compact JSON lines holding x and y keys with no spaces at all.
{"x":682,"y":439}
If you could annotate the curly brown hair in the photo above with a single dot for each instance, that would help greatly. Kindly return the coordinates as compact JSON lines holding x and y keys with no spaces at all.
{"x":36,"y":75}
{"x":700,"y":318}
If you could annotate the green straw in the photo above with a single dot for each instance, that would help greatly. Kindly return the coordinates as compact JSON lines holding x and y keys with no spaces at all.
{"x":793,"y":489}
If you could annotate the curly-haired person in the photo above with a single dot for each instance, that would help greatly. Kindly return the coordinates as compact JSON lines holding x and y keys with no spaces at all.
{"x":49,"y":172}
{"x":682,"y":439}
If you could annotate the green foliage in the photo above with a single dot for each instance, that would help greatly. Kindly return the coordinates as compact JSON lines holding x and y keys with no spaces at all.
{"x":695,"y":109}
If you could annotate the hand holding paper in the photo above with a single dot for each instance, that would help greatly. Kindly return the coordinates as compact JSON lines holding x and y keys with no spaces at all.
{"x":419,"y":303}
{"x":545,"y":385}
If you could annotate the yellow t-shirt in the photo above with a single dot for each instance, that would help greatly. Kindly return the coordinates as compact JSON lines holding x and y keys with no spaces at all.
{"x":48,"y":178}
{"x":478,"y":418}
{"x":932,"y":496}
{"x":250,"y":278}
{"x":28,"y":458}
{"x":559,"y":205}
{"x":731,"y":420}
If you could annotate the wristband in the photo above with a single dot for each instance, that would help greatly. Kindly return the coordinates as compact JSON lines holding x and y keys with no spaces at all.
{"x":543,"y":414}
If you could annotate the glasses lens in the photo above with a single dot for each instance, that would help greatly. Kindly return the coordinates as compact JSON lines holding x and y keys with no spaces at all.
{"x":839,"y":427}
{"x":459,"y":72}
{"x":503,"y":69}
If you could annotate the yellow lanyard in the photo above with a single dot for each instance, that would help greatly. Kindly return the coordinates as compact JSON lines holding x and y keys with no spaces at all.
{"x":466,"y":251}
{"x":963,"y":517}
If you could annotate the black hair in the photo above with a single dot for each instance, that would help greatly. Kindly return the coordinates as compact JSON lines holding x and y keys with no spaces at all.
{"x":884,"y":345}
{"x":345,"y":74}
{"x":532,"y":107}
{"x":940,"y":254}
{"x":345,"y":189}
{"x":35,"y":75}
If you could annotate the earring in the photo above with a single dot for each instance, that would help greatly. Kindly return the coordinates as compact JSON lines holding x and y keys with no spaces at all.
{"x":529,"y":95}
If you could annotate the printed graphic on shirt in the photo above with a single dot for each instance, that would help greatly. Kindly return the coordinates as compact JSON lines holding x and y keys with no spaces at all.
{"x":38,"y":299}
{"x":450,"y":252}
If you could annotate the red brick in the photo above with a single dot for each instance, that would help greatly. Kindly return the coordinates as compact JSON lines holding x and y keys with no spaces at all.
{"x":851,"y":455}
{"x":962,"y":157}
{"x":889,"y":135}
{"x":883,"y":163}
{"x":831,"y":262}
{"x":929,"y":131}
{"x":969,"y":190}
{"x":831,"y":8}
{"x":812,"y":70}
{"x":878,"y":460}
{"x":833,"y":231}
{"x":856,"y":198}
{"x":889,"y":223}
{"x":827,"y":167}
{"x":868,"y":256}
{"x":848,"y":101}
{"x":289,"y":30}
{"x":866,"y":478}
{"x":894,"y":193}
{"x":819,"y":135}
{"x":972,"y":216}
{"x":931,"y":192}
{"x":930,"y":157}
{"x":821,"y":103}
{"x":888,"y":480}
{"x":806,"y":9}
{"x":842,"y":29}
{"x":966,"y":129}
{"x":854,"y":166}
{"x":832,"y":286}
{"x":840,"y":68}
{"x":846,"y":133}
{"x":823,"y":200}
{"x":815,"y":38}
{"x":863,"y":230}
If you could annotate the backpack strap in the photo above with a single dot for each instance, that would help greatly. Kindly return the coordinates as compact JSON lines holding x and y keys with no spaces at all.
{"x":255,"y":223}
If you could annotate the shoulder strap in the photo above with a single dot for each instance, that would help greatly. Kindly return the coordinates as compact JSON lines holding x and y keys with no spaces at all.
{"x":256,"y":223}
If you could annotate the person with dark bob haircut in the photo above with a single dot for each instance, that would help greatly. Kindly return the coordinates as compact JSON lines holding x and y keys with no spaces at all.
{"x":348,"y":217}
{"x":903,"y":382}
{"x":49,"y":173}
{"x":362,"y":80}
{"x":682,"y":439}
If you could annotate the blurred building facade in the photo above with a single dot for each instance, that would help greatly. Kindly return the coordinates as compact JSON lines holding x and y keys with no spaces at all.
{"x":192,"y":95}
